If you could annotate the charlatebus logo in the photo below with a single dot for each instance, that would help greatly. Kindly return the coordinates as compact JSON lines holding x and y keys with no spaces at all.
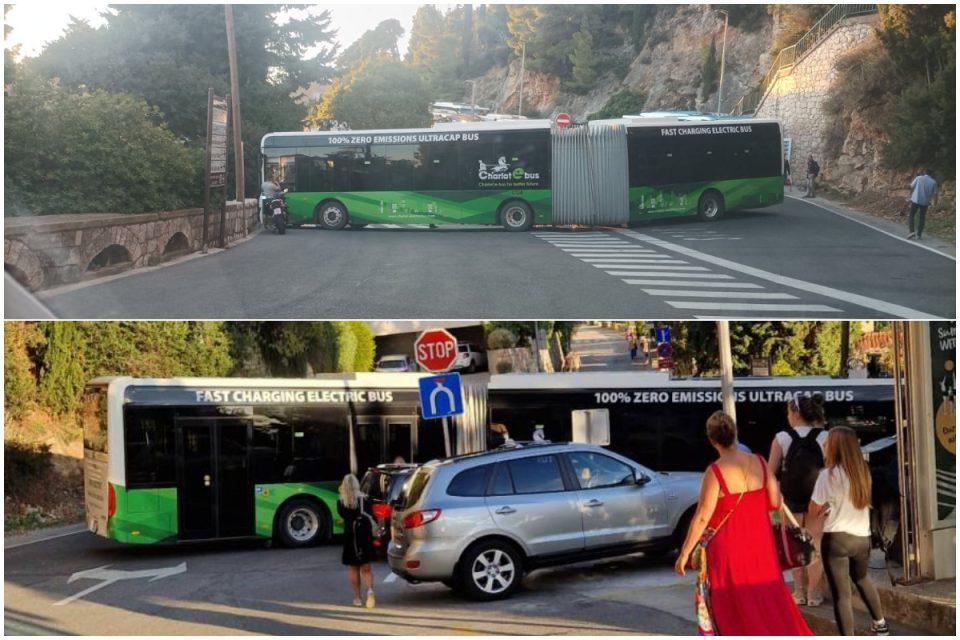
{"x":501,"y":171}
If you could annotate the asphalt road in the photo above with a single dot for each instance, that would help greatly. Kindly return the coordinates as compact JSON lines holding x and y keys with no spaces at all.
{"x":246,"y":588}
{"x":795,"y":260}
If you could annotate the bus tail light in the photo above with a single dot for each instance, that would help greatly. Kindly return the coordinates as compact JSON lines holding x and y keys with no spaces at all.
{"x":111,"y":500}
{"x":420,"y":518}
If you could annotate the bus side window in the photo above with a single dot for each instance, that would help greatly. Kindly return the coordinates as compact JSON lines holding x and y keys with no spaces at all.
{"x":150,"y":447}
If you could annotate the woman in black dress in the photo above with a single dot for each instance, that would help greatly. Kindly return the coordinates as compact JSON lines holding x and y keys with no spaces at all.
{"x":357,"y":537}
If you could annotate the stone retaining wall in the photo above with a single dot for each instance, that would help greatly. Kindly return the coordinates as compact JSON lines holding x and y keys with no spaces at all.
{"x":797,"y":97}
{"x":47,"y":251}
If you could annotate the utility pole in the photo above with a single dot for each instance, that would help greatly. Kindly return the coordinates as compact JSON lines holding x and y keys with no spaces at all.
{"x":523,"y":57}
{"x":723,"y":53}
{"x":536,"y":346}
{"x":235,"y":105}
{"x":726,"y":369}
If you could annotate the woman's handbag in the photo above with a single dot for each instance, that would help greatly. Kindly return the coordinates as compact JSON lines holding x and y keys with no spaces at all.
{"x":794,"y":543}
{"x":698,"y":562}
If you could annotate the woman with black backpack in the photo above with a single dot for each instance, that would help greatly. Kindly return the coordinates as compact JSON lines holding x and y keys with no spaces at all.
{"x":797,"y":456}
{"x":358,"y":549}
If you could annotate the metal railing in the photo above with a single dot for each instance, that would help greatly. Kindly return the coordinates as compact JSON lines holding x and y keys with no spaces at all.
{"x":788,"y":56}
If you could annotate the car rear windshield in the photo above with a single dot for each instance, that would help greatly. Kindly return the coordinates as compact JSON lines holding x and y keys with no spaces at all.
{"x":372,"y":485}
{"x":393,"y":364}
{"x":413,"y":488}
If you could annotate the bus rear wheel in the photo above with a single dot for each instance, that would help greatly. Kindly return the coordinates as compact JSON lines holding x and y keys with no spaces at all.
{"x":302,"y":523}
{"x":333,"y":216}
{"x":516,"y":216}
{"x":710,"y":207}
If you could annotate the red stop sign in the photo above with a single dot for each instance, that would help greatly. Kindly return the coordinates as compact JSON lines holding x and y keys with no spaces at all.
{"x":435,"y":350}
{"x":562,"y":120}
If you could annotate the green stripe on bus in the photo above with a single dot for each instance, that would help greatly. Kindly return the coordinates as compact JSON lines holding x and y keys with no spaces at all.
{"x":667,"y":201}
{"x":421,"y":207}
{"x":269,"y":497}
{"x":144,"y":516}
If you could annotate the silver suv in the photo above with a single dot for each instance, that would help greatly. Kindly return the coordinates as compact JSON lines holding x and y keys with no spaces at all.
{"x":478,"y":522}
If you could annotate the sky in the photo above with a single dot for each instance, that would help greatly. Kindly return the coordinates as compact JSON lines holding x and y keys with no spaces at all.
{"x":36,"y":23}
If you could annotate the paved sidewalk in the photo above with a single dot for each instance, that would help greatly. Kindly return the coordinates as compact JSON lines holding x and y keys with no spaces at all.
{"x":603,"y":349}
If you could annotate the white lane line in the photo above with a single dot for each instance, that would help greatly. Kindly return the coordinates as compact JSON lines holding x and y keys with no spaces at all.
{"x":390,"y":578}
{"x":719,"y":294}
{"x":877,"y":229}
{"x":592,"y":245}
{"x":668,"y":274}
{"x":748,"y":306}
{"x":664,"y":267}
{"x":828,"y":292}
{"x":697,"y":283}
{"x":620,"y":256}
{"x":610,"y":264}
{"x":608,"y":252}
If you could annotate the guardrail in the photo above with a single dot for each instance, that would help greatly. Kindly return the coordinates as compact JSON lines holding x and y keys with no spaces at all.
{"x":788,"y":56}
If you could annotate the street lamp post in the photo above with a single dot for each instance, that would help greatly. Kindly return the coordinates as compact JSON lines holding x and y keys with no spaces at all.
{"x":523,"y":58}
{"x":473,"y":96}
{"x":723,"y":53}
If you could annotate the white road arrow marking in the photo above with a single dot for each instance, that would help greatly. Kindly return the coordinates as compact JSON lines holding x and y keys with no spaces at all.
{"x":109,"y":576}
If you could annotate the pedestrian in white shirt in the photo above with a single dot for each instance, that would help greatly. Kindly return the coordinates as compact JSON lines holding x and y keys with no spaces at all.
{"x":923,"y":190}
{"x":841,"y":498}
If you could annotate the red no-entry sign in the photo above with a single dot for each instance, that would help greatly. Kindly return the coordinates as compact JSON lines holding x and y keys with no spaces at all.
{"x":562,"y":120}
{"x":435,"y":350}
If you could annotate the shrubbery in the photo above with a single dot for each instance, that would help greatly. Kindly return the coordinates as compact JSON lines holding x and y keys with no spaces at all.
{"x":77,"y":152}
{"x":623,"y":102}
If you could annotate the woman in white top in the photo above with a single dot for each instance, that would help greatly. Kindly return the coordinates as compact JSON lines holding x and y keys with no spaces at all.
{"x":842,"y":495}
{"x":804,"y":414}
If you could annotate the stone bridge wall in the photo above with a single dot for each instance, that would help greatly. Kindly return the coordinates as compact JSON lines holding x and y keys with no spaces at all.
{"x":797,"y":97}
{"x":47,"y":251}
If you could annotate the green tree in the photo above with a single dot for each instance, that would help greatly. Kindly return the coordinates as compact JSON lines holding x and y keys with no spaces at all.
{"x":623,"y":102}
{"x":293,"y":349}
{"x":62,"y":375}
{"x":170,"y":54}
{"x":584,"y":60}
{"x":374,"y":43}
{"x":21,"y":340}
{"x":379,"y":94}
{"x":522,"y":24}
{"x":91,"y":151}
{"x":434,"y":51}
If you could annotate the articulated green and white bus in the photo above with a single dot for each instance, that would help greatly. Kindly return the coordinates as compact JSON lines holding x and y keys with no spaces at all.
{"x":502,"y":173}
{"x":203,"y":458}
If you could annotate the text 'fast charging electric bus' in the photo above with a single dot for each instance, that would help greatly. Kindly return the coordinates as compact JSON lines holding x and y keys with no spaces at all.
{"x":202,"y":458}
{"x":521,"y":173}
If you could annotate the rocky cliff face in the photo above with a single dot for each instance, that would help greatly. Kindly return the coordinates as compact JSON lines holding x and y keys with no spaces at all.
{"x":667,"y":69}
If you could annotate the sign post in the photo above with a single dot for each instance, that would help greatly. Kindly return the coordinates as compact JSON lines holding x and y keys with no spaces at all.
{"x":215,"y":171}
{"x":441,"y":396}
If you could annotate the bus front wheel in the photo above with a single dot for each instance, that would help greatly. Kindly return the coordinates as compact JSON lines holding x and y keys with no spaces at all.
{"x":711,"y":206}
{"x":302,"y":523}
{"x":333,"y":216}
{"x":516,"y":216}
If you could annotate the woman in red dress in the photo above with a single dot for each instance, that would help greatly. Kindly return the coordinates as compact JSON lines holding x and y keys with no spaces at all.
{"x":747,"y":593}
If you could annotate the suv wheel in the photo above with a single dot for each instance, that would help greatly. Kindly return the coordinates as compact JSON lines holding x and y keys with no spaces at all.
{"x":490,"y":570}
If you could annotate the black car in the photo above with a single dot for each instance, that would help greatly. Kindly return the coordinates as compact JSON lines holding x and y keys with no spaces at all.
{"x":381,"y":485}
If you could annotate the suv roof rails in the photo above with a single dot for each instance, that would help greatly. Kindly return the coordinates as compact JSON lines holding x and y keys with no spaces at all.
{"x":515,"y":444}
